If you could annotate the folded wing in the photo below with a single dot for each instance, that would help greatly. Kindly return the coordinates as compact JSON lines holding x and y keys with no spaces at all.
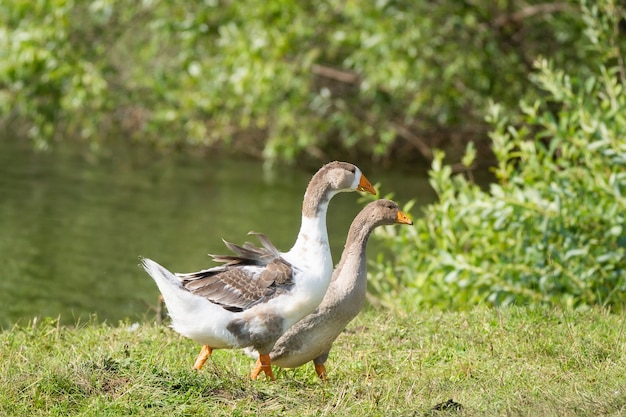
{"x":252,"y":276}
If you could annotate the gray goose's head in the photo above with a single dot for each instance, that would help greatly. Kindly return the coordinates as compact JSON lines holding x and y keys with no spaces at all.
{"x":377,"y":213}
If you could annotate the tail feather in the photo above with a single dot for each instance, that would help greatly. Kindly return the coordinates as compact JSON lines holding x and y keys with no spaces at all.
{"x":180,"y":302}
{"x":159,"y":274}
{"x":189,"y":312}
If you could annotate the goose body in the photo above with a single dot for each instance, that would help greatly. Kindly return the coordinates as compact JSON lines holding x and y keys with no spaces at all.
{"x":311,"y":338}
{"x":252,"y":302}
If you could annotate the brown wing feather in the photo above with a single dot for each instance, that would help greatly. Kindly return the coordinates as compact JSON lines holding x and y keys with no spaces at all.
{"x":249,"y":254}
{"x":239,"y":287}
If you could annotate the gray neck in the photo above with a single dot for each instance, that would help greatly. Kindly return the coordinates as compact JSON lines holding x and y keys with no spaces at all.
{"x":356,"y":247}
{"x":348,"y":287}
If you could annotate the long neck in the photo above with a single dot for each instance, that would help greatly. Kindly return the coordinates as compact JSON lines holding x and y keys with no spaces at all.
{"x":313,"y":224}
{"x":316,"y":198}
{"x":354,"y":254}
{"x":313,"y":232}
{"x":348,"y":287}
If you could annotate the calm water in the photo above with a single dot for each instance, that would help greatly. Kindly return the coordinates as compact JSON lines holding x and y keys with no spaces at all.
{"x":72,"y":226}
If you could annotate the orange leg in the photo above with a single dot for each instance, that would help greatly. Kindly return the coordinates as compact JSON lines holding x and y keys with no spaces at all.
{"x":202,"y":357}
{"x":258,"y":367}
{"x":263,"y":364}
{"x":321,"y":371}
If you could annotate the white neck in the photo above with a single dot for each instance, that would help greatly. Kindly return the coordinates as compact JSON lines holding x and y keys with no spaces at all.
{"x":313,"y":227}
{"x":311,"y":246}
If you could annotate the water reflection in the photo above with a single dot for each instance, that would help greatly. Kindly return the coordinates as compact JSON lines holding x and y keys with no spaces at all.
{"x":73,"y":226}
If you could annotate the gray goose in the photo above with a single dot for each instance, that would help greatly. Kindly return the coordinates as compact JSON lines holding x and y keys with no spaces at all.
{"x":251,"y":303}
{"x":311,"y":338}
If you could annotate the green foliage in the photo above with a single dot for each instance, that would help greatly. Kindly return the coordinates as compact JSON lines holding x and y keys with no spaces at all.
{"x":42,"y":76}
{"x":551,"y":229}
{"x":275,"y":78}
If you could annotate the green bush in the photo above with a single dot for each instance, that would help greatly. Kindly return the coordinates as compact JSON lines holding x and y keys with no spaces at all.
{"x":43,"y":79}
{"x":276,"y":78}
{"x":551,"y":229}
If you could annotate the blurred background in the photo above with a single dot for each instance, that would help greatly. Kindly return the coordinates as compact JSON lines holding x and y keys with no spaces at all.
{"x":156,"y":128}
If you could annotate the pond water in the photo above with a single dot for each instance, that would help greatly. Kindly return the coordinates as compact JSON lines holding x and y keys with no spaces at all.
{"x":73,"y":225}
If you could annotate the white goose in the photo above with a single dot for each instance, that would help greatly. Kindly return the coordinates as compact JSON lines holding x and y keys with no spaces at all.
{"x":250,"y":303}
{"x":311,"y":338}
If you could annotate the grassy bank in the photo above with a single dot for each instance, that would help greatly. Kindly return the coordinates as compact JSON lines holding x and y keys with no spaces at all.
{"x":510,"y":362}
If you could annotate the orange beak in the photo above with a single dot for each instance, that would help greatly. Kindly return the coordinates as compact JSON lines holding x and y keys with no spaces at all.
{"x":365,"y":185}
{"x":402,"y":218}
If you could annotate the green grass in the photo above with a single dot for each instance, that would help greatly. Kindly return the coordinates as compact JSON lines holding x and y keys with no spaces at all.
{"x":516,"y":361}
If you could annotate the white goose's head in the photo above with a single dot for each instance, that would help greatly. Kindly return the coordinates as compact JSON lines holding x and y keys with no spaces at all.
{"x":333,"y":178}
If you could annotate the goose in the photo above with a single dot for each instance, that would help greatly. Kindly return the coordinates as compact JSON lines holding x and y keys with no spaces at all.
{"x":311,"y":338}
{"x":248,"y":303}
